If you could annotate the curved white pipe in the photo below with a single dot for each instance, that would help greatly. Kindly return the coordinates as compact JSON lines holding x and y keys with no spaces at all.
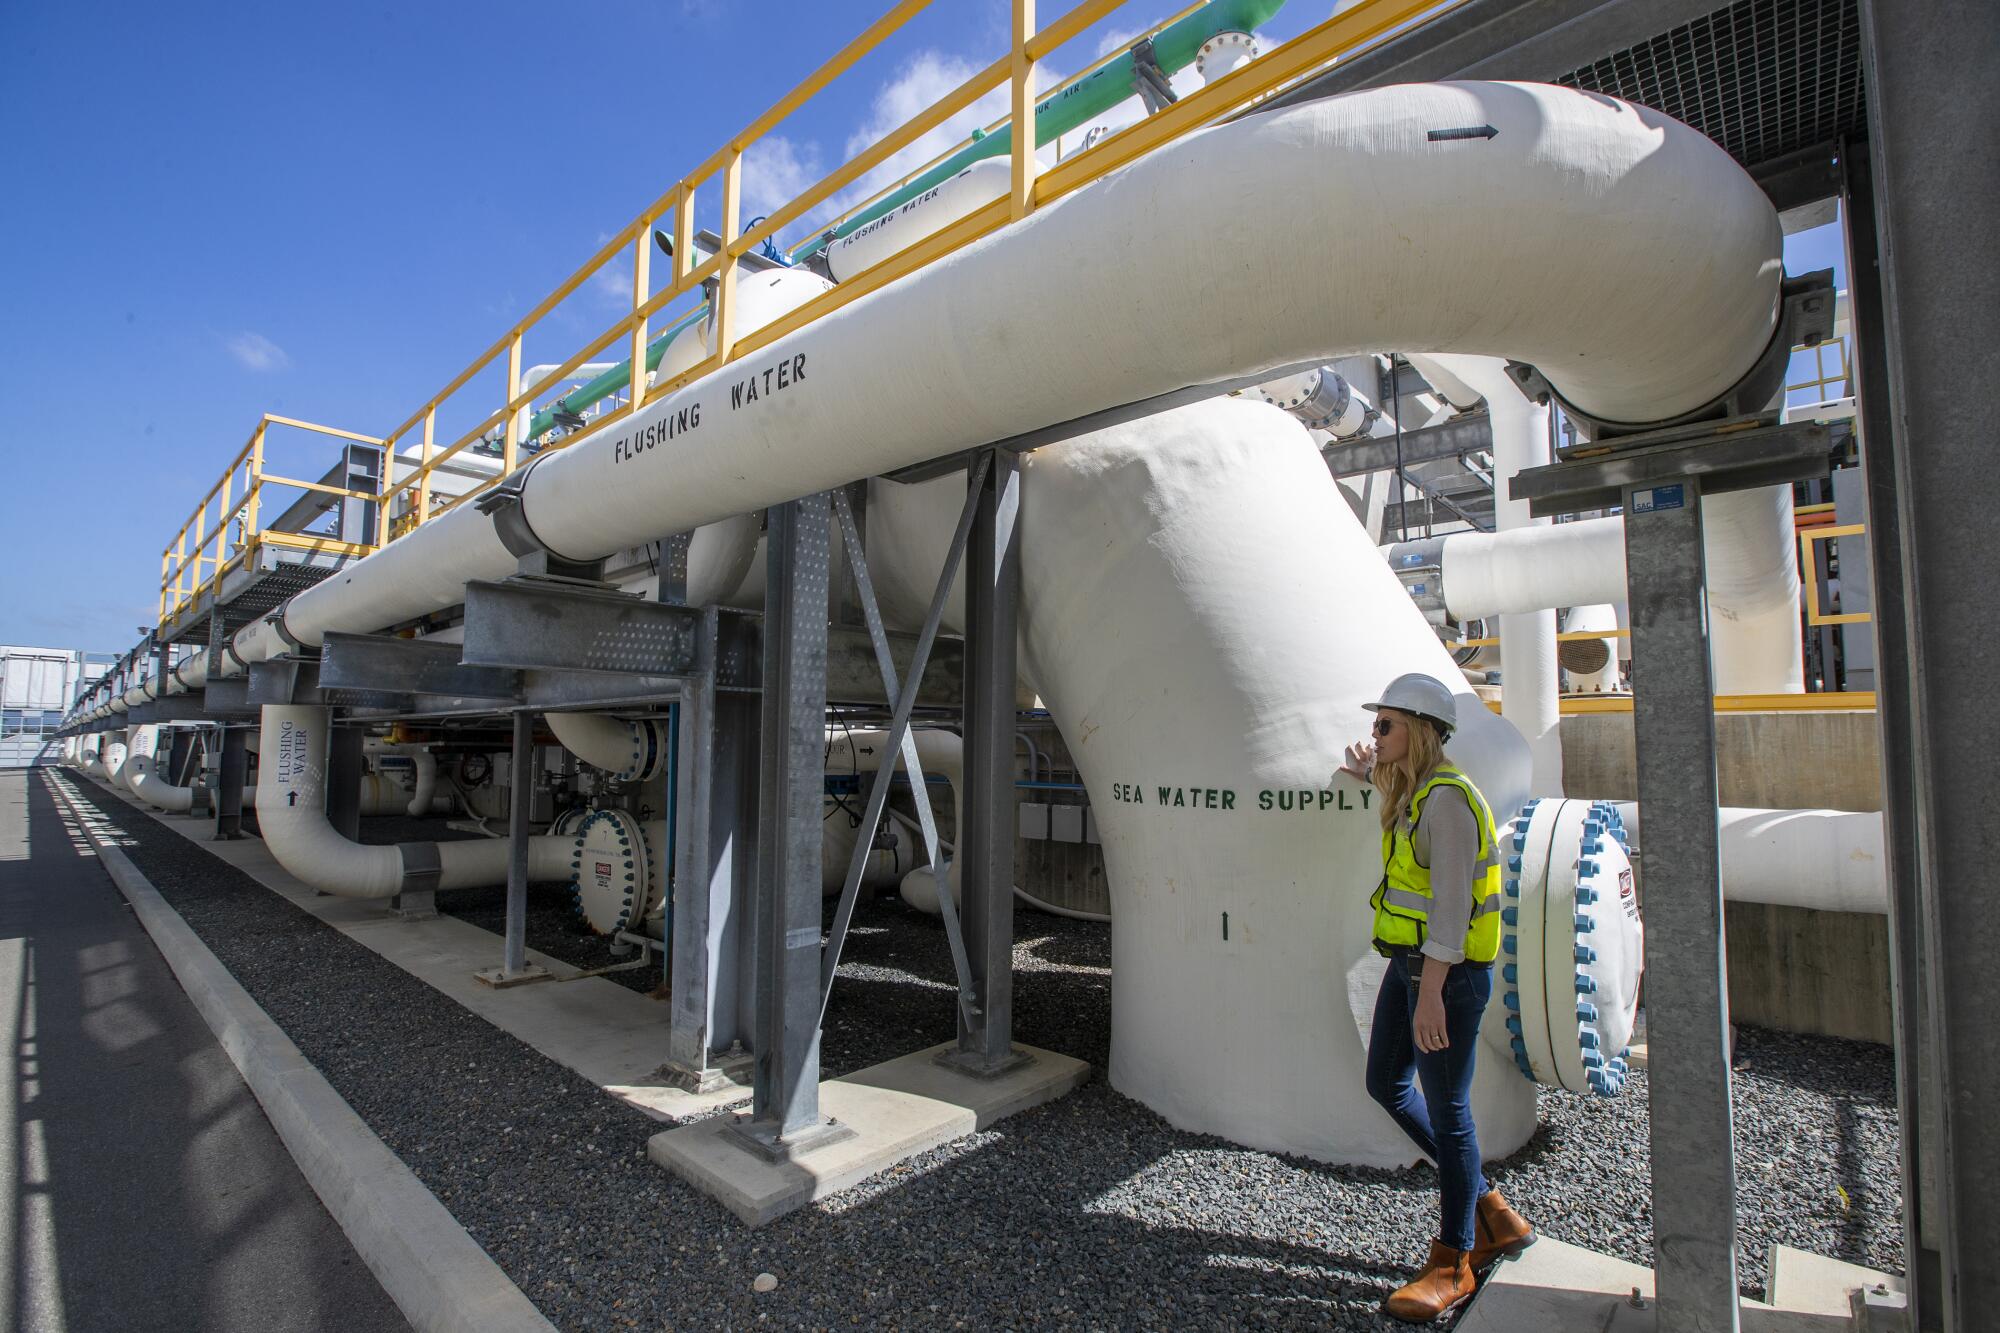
{"x":629,"y":751}
{"x":1204,"y":616}
{"x":114,"y":753}
{"x":863,"y":750}
{"x":1446,"y":379}
{"x":424,"y":770}
{"x":143,"y":775}
{"x":1828,"y":860}
{"x":291,"y":815}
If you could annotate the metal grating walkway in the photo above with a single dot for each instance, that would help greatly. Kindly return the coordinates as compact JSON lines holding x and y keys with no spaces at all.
{"x":1763,"y":78}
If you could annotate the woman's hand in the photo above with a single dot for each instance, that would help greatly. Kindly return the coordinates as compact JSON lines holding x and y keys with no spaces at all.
{"x":1360,"y":759}
{"x":1428,"y":1024}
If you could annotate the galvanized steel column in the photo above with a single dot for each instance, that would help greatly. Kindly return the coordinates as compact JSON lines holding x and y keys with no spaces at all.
{"x":1929,"y":71}
{"x":231,"y":770}
{"x":343,"y":781}
{"x":521,"y":792}
{"x":986,"y":839}
{"x":785,"y":1108}
{"x":1687,"y":987}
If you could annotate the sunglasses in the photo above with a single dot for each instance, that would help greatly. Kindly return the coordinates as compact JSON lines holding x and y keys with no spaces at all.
{"x":1384,"y":725}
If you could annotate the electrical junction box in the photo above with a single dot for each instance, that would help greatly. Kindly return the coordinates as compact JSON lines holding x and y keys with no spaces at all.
{"x":1066,"y":823}
{"x":1034,"y":821}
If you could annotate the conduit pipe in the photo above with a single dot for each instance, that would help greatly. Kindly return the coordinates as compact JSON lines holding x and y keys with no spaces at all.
{"x":1654,"y":318}
{"x":1529,"y":684}
{"x":1827,"y":860}
{"x":291,"y":814}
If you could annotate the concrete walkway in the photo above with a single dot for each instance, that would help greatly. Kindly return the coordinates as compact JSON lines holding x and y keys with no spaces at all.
{"x":143,"y":1186}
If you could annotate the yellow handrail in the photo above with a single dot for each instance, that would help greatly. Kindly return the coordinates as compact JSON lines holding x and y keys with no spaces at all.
{"x":190,"y":569}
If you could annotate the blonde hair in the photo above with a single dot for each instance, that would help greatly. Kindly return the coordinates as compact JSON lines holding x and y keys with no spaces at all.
{"x":1399,"y":781}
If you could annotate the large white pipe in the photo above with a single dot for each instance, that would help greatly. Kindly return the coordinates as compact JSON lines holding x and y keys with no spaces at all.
{"x":1829,"y":860}
{"x":942,"y":752}
{"x":1592,"y":664}
{"x":291,"y":815}
{"x":1529,"y":683}
{"x":628,"y":750}
{"x":1655,"y":317}
{"x":114,"y":752}
{"x":424,"y":773}
{"x":1204,"y":617}
{"x":142,"y":774}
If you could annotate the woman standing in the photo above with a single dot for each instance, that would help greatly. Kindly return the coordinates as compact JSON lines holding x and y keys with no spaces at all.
{"x":1437,"y":920}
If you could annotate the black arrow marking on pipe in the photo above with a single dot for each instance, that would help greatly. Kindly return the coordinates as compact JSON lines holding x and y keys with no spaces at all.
{"x":1463,"y":132}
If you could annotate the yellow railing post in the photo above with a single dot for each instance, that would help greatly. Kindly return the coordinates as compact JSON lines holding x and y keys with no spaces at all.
{"x":642,"y":288}
{"x":424,"y":472}
{"x":255,"y":495}
{"x":166,"y":564}
{"x":684,"y":232}
{"x":724,"y":317}
{"x":1024,"y":110}
{"x":509,"y":451}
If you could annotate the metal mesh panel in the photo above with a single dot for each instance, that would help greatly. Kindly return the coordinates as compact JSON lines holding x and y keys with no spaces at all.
{"x":1763,"y":78}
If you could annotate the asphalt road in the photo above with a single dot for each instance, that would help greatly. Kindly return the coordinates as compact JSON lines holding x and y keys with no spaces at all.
{"x":144,"y":1188}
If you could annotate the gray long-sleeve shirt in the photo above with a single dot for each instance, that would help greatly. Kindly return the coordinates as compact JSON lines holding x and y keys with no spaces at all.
{"x":1446,"y":839}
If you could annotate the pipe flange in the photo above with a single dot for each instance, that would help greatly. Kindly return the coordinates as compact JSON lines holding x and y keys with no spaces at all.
{"x":1224,"y":44}
{"x":610,"y":881}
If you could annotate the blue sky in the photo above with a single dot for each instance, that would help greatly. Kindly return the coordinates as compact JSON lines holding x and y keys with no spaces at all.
{"x":325,"y":211}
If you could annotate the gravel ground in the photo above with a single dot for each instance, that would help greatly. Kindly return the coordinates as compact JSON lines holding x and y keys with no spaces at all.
{"x":1089,"y":1212}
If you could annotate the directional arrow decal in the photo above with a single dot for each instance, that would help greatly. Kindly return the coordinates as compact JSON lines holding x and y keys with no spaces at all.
{"x":1463,"y":132}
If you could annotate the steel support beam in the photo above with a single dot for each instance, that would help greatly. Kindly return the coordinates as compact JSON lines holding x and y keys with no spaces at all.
{"x":986,"y":835}
{"x":521,"y":791}
{"x":382,"y":663}
{"x":785,"y":1117}
{"x":715,"y":866}
{"x":532,"y":623}
{"x":1929,"y":67}
{"x":1687,"y":989}
{"x":1916,"y":1069}
{"x":343,"y":781}
{"x":232,"y":767}
{"x":1468,"y":434}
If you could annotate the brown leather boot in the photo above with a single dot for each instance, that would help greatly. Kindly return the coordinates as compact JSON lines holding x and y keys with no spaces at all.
{"x":1444,"y":1285}
{"x":1498,"y":1232}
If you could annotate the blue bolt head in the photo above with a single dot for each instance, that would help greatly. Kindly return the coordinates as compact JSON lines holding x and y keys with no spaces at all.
{"x":1586,"y":1013}
{"x":1593,"y":827}
{"x":1585,"y":869}
{"x":1585,"y":954}
{"x":1591,"y":847}
{"x":1514,"y":1024}
{"x":1511,"y":1000}
{"x":1512,"y":888}
{"x":1585,"y":985}
{"x":1587,"y":1039}
{"x":1510,"y":916}
{"x":1509,"y":944}
{"x":1513,"y":865}
{"x":1520,"y":842}
{"x":1509,"y":973}
{"x":1592,"y":1060}
{"x":1585,"y":923}
{"x":1585,"y":894}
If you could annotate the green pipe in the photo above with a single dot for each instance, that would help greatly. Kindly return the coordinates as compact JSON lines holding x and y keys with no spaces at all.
{"x":1174,"y":47}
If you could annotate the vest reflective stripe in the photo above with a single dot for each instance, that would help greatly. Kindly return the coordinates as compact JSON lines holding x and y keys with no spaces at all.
{"x":1403,"y":899}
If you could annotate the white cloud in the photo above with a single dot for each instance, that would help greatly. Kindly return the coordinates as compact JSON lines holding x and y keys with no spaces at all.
{"x":257,"y":352}
{"x":776,"y":171}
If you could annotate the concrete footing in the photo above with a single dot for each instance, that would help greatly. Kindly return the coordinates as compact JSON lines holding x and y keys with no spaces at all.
{"x":1557,"y":1286}
{"x":895,"y":1110}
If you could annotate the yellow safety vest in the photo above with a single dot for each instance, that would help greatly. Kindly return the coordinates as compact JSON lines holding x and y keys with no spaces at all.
{"x":1402,"y":901}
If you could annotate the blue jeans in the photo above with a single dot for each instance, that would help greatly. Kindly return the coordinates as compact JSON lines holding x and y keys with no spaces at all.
{"x":1439,"y":1119}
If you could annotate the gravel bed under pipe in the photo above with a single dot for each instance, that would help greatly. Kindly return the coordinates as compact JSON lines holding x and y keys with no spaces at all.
{"x":1088,"y":1212}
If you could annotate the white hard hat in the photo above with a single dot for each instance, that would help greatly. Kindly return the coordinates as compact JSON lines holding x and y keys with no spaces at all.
{"x":1422,"y":695}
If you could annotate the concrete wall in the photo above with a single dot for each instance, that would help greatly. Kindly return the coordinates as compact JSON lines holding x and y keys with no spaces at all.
{"x":1789,"y":968}
{"x":1773,"y":761}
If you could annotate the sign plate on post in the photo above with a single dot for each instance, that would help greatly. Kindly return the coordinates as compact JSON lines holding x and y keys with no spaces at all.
{"x":1659,"y":497}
